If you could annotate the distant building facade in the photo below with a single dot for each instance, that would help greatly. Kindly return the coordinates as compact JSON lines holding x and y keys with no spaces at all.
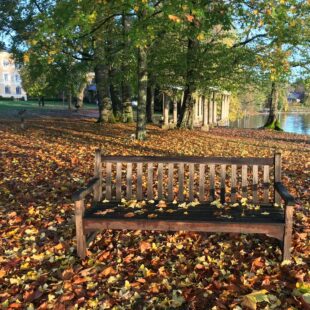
{"x":10,"y":80}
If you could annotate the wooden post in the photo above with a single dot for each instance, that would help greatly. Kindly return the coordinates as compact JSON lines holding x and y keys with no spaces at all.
{"x":288,"y":231}
{"x":195,"y":111}
{"x":166,"y":111}
{"x":175,"y":112}
{"x":98,"y":174}
{"x":214,"y":109}
{"x":277,"y":174}
{"x":205,"y":115}
{"x":227,"y":106}
{"x":80,"y":235}
{"x":223,"y":107}
{"x":210,"y":108}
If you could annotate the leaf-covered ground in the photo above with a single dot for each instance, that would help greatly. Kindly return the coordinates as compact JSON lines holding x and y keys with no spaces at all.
{"x":42,"y":166}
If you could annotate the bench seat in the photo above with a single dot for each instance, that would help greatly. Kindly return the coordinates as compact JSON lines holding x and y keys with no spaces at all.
{"x":115,"y":210}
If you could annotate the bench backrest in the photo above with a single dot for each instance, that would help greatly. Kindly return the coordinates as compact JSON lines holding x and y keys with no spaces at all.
{"x":187,"y":178}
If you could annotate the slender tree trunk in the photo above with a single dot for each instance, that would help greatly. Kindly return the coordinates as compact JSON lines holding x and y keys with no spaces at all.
{"x":142,"y":90}
{"x":126,"y":103}
{"x":80,"y":95}
{"x":272,"y":121}
{"x":187,"y":110}
{"x":126,"y":90}
{"x":186,"y":118}
{"x":115,"y":95}
{"x":150,"y":101}
{"x":103,"y":93}
{"x":69,"y":99}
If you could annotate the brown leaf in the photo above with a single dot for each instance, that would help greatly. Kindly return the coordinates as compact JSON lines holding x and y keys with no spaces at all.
{"x":67,"y":297}
{"x":68,"y":274}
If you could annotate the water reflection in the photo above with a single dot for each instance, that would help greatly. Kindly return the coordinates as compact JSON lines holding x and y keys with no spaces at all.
{"x":290,"y":122}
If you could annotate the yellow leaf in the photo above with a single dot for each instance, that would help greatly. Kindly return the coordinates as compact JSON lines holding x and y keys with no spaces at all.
{"x":201,"y":36}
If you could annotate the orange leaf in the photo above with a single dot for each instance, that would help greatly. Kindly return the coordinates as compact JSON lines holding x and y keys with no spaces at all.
{"x":190,"y":18}
{"x":129,"y":214}
{"x":144,"y":246}
{"x":2,"y":273}
{"x":174,"y":18}
{"x":108,"y":271}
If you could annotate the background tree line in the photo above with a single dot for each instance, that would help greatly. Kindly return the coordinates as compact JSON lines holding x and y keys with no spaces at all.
{"x":139,"y":48}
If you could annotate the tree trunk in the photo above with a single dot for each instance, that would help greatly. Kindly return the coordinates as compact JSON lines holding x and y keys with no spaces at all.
{"x":142,"y":90}
{"x":272,"y":121}
{"x":186,"y":117}
{"x":80,"y":95}
{"x":115,"y":96}
{"x":69,"y":99}
{"x":150,"y":102}
{"x":126,"y":103}
{"x":126,"y":91}
{"x":103,"y":93}
{"x":187,"y":110}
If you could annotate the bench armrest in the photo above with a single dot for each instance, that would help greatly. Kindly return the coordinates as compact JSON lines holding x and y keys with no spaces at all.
{"x":285,"y":195}
{"x":83,"y":192}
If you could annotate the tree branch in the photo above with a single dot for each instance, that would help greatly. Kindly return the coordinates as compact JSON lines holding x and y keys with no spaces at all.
{"x":262,"y":35}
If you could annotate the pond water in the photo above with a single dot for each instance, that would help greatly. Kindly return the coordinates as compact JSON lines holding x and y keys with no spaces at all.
{"x":290,"y":122}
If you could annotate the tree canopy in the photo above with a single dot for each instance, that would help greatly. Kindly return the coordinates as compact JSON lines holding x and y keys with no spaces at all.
{"x":138,"y":45}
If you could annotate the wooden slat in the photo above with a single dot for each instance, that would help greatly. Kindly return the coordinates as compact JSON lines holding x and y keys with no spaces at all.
{"x":108,"y":181}
{"x":80,"y":234}
{"x":212,"y":182}
{"x":129,"y":181}
{"x":191,"y":182}
{"x":266,"y":183}
{"x":272,"y":229}
{"x":244,"y":182}
{"x":255,"y":183}
{"x":170,"y":181}
{"x":139,"y":181}
{"x":192,"y":159}
{"x":223,"y":178}
{"x":202,"y":182}
{"x":118,"y":181}
{"x":98,"y":174}
{"x":149,"y":181}
{"x":233,"y":182}
{"x":160,"y":181}
{"x":277,"y":175}
{"x":181,"y":182}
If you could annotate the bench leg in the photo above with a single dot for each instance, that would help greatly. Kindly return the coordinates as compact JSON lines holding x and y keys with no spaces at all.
{"x":288,"y":232}
{"x":80,"y":235}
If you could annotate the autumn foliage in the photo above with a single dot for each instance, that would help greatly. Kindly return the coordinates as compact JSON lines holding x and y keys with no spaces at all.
{"x":42,"y":166}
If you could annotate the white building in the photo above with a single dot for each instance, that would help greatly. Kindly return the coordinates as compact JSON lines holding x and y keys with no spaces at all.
{"x":10,"y":80}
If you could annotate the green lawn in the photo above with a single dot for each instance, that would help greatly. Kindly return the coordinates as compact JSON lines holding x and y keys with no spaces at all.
{"x":33,"y":105}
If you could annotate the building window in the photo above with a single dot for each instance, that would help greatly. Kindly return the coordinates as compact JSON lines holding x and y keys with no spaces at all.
{"x":6,"y":63}
{"x":6,"y":77}
{"x":16,"y":78}
{"x":7,"y":90}
{"x":18,"y":90}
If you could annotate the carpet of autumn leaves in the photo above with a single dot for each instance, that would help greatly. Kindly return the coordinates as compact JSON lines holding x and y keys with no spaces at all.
{"x":44,"y":164}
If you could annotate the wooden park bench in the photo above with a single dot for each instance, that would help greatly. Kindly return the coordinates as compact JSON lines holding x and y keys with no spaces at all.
{"x":202,"y":194}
